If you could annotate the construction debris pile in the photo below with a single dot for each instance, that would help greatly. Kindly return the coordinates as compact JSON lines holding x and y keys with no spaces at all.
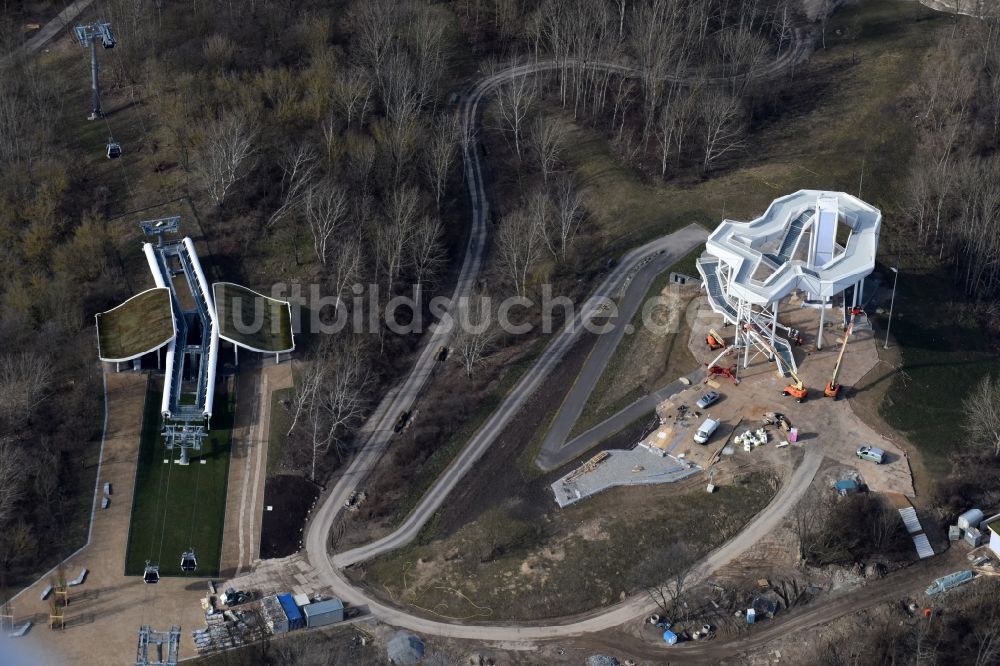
{"x":751,"y":439}
{"x":235,"y":618}
{"x":405,"y":649}
{"x":228,"y":626}
{"x":588,"y":466}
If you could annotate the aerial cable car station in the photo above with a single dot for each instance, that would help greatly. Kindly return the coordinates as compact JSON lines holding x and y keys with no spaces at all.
{"x":183,"y":320}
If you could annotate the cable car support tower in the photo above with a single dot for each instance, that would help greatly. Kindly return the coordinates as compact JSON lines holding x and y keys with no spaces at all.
{"x":89,"y":35}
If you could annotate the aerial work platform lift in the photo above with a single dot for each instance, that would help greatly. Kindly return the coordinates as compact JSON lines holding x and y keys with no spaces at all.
{"x":796,"y":389}
{"x":832,"y":389}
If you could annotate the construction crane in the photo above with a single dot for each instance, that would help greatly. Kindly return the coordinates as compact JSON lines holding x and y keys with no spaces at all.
{"x":832,"y":389}
{"x":797,"y":389}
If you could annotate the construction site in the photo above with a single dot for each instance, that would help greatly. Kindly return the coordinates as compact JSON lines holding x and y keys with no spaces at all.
{"x":707,"y":492}
{"x":777,"y":381}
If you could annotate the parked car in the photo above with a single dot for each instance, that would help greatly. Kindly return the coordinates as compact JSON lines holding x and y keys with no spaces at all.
{"x":709,"y":398}
{"x":706,"y":430}
{"x":872,"y":453}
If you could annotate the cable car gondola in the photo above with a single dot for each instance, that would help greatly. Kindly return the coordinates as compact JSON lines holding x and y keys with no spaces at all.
{"x":114,"y":149}
{"x":151,"y":574}
{"x":189,"y":562}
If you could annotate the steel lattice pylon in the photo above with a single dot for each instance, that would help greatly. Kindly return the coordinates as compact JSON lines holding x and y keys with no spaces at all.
{"x":88,"y":36}
{"x":185,"y":437}
{"x":171,"y":639}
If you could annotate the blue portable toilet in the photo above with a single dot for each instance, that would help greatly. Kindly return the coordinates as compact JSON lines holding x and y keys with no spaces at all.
{"x":669,"y":637}
{"x":292,"y":612}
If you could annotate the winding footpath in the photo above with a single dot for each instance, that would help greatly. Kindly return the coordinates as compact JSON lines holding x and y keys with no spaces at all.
{"x":379,"y":428}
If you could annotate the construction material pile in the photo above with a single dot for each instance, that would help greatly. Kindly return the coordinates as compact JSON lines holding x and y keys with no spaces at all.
{"x":751,"y":439}
{"x":228,"y":629}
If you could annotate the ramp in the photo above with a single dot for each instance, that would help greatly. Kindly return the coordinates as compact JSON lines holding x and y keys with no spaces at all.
{"x":909,"y":516}
{"x":923,"y":546}
{"x":913,"y":526}
{"x":707,"y":268}
{"x":791,"y":239}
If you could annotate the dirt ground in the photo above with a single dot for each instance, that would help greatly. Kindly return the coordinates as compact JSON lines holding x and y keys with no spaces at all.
{"x":287,"y":501}
{"x":822,"y":422}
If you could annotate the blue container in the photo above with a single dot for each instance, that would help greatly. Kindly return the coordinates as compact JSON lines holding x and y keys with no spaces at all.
{"x":669,"y":637}
{"x":292,"y":612}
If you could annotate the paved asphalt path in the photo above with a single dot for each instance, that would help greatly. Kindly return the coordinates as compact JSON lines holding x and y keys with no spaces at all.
{"x":49,"y":30}
{"x":791,"y":491}
{"x":554,"y":451}
{"x":562,"y":451}
{"x":671,"y":246}
{"x":379,"y":428}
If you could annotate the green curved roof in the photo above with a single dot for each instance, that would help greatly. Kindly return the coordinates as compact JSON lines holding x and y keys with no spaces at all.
{"x":138,"y":326}
{"x":252,"y":320}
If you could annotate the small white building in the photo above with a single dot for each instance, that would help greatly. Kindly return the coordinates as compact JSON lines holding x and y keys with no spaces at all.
{"x":994,"y":530}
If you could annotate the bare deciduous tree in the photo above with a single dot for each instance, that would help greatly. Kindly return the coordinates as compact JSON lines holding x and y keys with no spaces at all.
{"x":664,"y":574}
{"x":375,"y":24}
{"x":439,"y":155}
{"x":352,"y":93}
{"x":331,"y":395}
{"x":429,"y":45}
{"x":311,"y":379}
{"x":982,"y":415}
{"x":25,"y":380}
{"x":986,"y":626}
{"x":12,"y":477}
{"x":723,"y":126}
{"x":326,"y":207}
{"x":298,"y":165}
{"x":338,"y":405}
{"x":226,"y":154}
{"x":475,"y":332}
{"x":393,"y":236}
{"x":519,"y":244}
{"x":567,"y":201}
{"x":427,"y":254}
{"x":345,"y":267}
{"x":514,"y":98}
{"x":548,"y":141}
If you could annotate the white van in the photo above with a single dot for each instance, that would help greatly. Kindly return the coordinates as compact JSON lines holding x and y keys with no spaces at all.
{"x":706,"y":430}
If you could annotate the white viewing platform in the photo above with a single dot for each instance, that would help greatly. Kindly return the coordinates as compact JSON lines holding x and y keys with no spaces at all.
{"x":814,"y":242}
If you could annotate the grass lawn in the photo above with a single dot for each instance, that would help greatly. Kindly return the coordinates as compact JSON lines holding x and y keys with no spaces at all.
{"x":141,"y":323}
{"x":281,"y":420}
{"x":943,"y":359}
{"x":844,"y":112}
{"x":269,"y":319}
{"x":647,"y":359}
{"x":175,"y":507}
{"x":584,"y":557}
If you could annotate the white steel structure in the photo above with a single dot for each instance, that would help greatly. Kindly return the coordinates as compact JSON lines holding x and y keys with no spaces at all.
{"x":814,"y":242}
{"x":192,"y":348}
